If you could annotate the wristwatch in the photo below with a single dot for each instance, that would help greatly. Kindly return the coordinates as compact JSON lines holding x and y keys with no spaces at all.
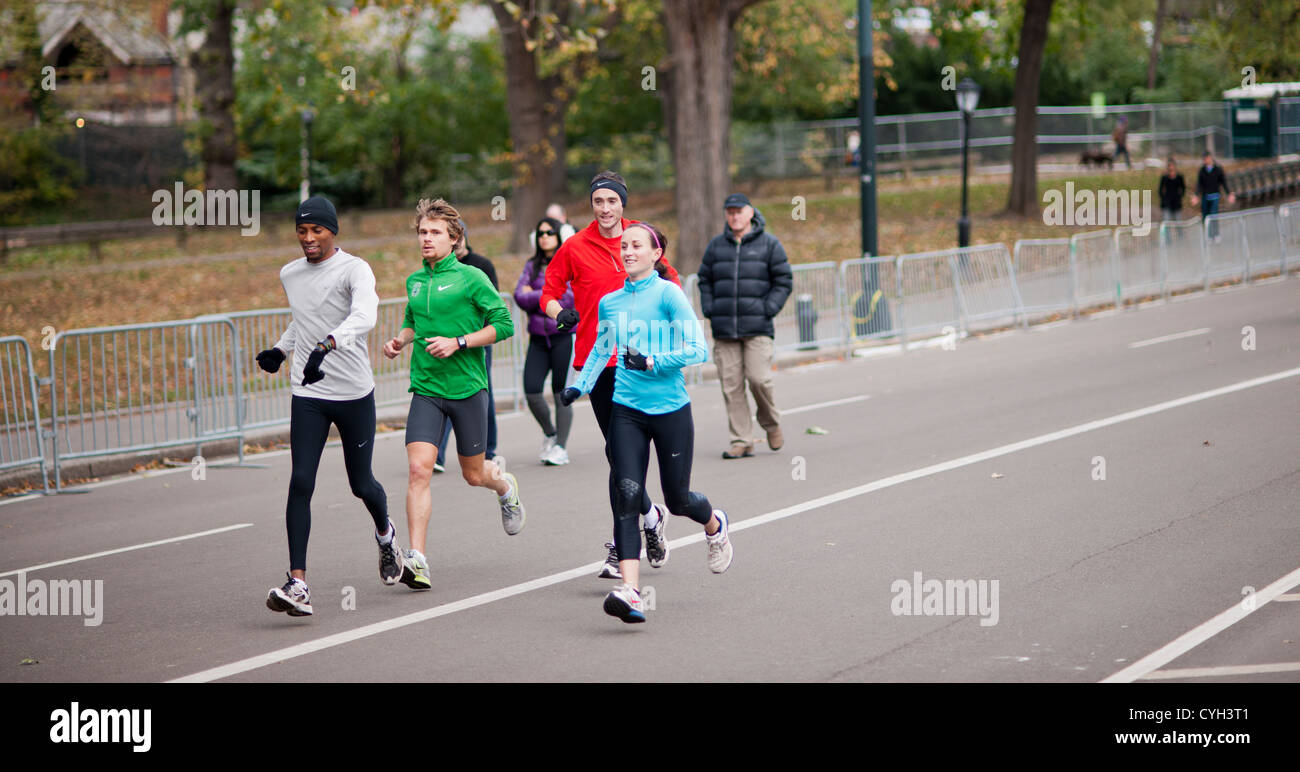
{"x":460,"y":341}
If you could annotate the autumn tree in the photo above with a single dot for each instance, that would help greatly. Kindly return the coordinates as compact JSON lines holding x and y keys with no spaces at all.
{"x":697,"y":81}
{"x":1024,"y":150}
{"x":549,"y":46}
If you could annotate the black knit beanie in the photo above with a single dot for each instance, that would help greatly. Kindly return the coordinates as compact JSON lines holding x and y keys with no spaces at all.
{"x":318,"y":211}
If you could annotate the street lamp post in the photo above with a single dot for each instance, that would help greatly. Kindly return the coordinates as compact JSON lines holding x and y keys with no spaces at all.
{"x":304,"y":190}
{"x":968,"y":96}
{"x":871,"y":313}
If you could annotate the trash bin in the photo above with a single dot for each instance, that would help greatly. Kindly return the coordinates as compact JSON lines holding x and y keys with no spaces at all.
{"x":806,"y":316}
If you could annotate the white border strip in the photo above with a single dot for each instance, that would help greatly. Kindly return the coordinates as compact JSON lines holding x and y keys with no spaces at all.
{"x":1224,"y":670}
{"x":262,"y":660}
{"x":128,"y":549}
{"x":820,"y":405}
{"x":1203,"y":632}
{"x":1167,"y":338}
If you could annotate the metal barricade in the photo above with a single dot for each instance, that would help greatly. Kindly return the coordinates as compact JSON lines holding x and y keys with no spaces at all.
{"x":1243,"y":244}
{"x":927,"y":293}
{"x":1259,"y":229}
{"x":1225,"y":246}
{"x":22,"y":441}
{"x":1092,"y":258}
{"x":821,"y":282}
{"x":1140,"y":269}
{"x":870,"y":286}
{"x":143,"y":387}
{"x":1182,"y":245}
{"x":987,"y":294}
{"x":691,"y":286}
{"x":1043,"y":275}
{"x":1288,"y":230}
{"x":507,"y":359}
{"x":265,"y":396}
{"x":392,"y":376}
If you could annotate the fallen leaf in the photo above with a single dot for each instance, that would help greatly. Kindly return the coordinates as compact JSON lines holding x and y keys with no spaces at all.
{"x":817,"y":430}
{"x":29,"y":661}
{"x":997,"y":476}
{"x":1206,"y":443}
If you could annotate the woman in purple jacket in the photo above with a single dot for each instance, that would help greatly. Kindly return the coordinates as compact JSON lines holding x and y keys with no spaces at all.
{"x":549,"y":351}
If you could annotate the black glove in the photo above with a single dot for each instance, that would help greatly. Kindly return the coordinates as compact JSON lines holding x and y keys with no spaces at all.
{"x":311,"y":372}
{"x":270,"y":360}
{"x":635,"y":360}
{"x":569,"y":395}
{"x":566,"y":320}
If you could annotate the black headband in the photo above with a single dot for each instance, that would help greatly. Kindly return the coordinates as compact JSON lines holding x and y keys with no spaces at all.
{"x":613,"y":185}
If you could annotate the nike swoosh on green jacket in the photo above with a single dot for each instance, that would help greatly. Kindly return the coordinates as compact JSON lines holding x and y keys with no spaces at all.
{"x":447,"y":300}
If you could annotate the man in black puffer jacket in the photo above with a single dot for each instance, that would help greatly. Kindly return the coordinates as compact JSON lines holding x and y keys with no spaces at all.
{"x":745,"y":280}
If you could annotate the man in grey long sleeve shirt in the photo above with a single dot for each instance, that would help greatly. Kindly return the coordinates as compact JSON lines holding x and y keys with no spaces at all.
{"x":334,"y":305}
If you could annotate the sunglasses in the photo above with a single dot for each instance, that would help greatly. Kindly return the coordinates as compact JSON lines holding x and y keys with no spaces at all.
{"x":546,"y":233}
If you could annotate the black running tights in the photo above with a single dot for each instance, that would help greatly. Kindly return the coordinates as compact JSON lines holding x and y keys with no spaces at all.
{"x":309,"y":427}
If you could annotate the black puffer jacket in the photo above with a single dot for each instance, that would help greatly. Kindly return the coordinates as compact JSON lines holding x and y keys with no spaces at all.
{"x":743,"y":285}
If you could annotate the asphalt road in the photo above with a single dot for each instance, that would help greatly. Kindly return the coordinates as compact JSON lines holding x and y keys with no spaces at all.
{"x":979,"y":463}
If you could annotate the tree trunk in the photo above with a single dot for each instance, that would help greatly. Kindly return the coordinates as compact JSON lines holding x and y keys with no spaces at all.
{"x":536,"y":107}
{"x":697,"y":112}
{"x":1024,"y":150}
{"x":1155,"y":44}
{"x":214,"y":66}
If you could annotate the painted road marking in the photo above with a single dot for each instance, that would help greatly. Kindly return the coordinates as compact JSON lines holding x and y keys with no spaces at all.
{"x":1151,"y":662}
{"x":1167,"y":338}
{"x":1225,"y":670}
{"x":128,"y":549}
{"x":1203,"y":632}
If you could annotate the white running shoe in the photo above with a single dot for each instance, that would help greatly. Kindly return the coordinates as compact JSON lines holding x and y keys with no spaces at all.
{"x":512,"y":510}
{"x":719,"y":545}
{"x":656,"y":539}
{"x":293,"y":597}
{"x":390,"y":558}
{"x":557,"y":456}
{"x":415,"y":571}
{"x":624,"y":602}
{"x":547,"y":444}
{"x":610,"y":569}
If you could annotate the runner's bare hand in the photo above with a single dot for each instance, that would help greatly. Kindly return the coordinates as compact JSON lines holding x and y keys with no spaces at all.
{"x":442,"y":347}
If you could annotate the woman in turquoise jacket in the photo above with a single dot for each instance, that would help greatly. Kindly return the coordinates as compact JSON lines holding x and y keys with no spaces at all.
{"x":652,"y":326}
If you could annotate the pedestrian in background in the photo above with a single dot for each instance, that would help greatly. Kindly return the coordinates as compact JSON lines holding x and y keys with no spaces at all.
{"x":744,"y":281}
{"x":549,"y":350}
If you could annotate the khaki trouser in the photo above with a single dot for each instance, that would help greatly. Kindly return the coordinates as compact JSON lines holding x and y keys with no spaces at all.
{"x":740,"y":361}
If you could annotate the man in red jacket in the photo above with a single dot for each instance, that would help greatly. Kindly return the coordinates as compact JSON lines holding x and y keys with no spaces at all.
{"x":591,"y":262}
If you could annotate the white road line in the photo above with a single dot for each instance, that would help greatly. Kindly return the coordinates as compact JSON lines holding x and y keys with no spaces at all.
{"x":1167,"y":338}
{"x":1224,"y":670}
{"x":1289,"y":596}
{"x":252,"y":663}
{"x":820,"y":405}
{"x":1203,"y":632}
{"x":128,"y":549}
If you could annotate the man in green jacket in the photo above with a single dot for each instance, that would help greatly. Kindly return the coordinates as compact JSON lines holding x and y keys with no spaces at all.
{"x":447,"y":302}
